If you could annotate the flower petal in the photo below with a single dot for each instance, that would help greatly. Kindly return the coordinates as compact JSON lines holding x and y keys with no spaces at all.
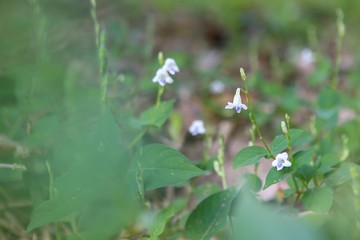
{"x":244,"y":106}
{"x":237,"y":97}
{"x":279,"y":167}
{"x":169,"y":79}
{"x":229,"y":106}
{"x":287,"y":164}
{"x":274,"y":163}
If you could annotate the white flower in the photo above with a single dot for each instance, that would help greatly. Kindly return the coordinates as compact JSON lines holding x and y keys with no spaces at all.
{"x":236,"y":104}
{"x":170,"y":66}
{"x":281,"y":161}
{"x":162,"y":77}
{"x":217,"y":87}
{"x":197,"y":127}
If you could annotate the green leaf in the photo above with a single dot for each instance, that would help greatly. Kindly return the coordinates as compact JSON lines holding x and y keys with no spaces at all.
{"x":162,"y":166}
{"x":275,"y":176}
{"x":253,"y":182}
{"x":210,"y":215}
{"x":327,"y":163}
{"x":253,"y":220}
{"x":303,"y":157}
{"x":94,"y":182}
{"x":248,"y":156}
{"x":298,"y":137}
{"x":318,"y":199}
{"x":157,"y":115}
{"x":341,"y":175}
{"x":158,"y":226}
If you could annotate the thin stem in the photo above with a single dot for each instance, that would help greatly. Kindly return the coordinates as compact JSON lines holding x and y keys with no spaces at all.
{"x":138,"y":137}
{"x":159,"y":94}
{"x":253,"y":120}
{"x":304,"y":184}
{"x":219,"y":164}
{"x":13,"y":166}
{"x":339,"y":42}
{"x":295,"y":183}
{"x":315,"y":180}
{"x":252,"y":116}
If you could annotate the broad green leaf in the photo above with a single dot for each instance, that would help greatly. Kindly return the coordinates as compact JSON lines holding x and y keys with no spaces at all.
{"x":341,"y":175}
{"x":305,"y":172}
{"x":162,"y":166}
{"x":248,"y":156}
{"x":158,"y":226}
{"x":302,"y":164}
{"x":253,"y":220}
{"x":303,"y":157}
{"x":318,"y":199}
{"x":253,"y":182}
{"x":157,"y":115}
{"x":327,"y":163}
{"x":210,"y":215}
{"x":298,"y":137}
{"x":94,"y":182}
{"x":275,"y":176}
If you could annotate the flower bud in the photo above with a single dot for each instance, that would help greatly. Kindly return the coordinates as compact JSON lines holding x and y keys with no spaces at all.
{"x":161,"y":58}
{"x":242,"y":73}
{"x":284,"y":128}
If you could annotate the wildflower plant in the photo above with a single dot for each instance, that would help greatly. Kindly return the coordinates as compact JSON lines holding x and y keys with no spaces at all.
{"x":100,"y":164}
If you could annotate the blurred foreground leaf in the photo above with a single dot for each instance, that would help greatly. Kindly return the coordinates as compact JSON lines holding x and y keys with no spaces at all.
{"x":318,"y":199}
{"x":94,"y":185}
{"x":253,"y":220}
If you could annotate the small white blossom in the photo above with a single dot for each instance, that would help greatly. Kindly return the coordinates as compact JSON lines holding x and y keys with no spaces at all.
{"x":170,"y":66}
{"x":281,"y":161}
{"x":197,"y":127}
{"x":162,"y":77}
{"x":236,"y":104}
{"x":306,"y":57}
{"x":217,"y":87}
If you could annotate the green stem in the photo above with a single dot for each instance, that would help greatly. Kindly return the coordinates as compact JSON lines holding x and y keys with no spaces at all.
{"x":252,"y":116}
{"x":339,"y":42}
{"x":159,"y":94}
{"x":304,"y":183}
{"x":295,"y":183}
{"x":253,"y":120}
{"x":221,"y":168}
{"x":138,"y":137}
{"x":315,"y":180}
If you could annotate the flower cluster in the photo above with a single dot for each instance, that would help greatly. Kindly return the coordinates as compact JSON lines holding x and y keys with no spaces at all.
{"x":162,"y":75}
